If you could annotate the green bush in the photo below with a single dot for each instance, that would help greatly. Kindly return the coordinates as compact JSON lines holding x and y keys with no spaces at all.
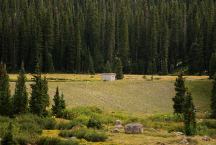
{"x":66,"y":133}
{"x":30,"y":127}
{"x":55,"y":141}
{"x":94,"y":123}
{"x":49,"y":123}
{"x":22,"y":140}
{"x":87,"y":134}
{"x":94,"y":136}
{"x":210,"y":123}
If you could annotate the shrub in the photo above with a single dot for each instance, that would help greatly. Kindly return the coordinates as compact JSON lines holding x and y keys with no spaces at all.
{"x":94,"y":136}
{"x":49,"y":123}
{"x":87,"y":134}
{"x":66,"y":133}
{"x":55,"y":141}
{"x":22,"y":140}
{"x":210,"y":123}
{"x":94,"y":123}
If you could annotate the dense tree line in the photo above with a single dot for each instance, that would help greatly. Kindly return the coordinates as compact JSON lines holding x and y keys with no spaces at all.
{"x":80,"y":36}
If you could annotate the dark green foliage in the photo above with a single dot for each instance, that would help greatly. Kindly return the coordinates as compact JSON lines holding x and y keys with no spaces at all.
{"x":118,"y":69}
{"x":59,"y":104}
{"x":213,"y":100}
{"x":180,"y":95}
{"x":94,"y":123}
{"x":196,"y":59}
{"x":189,"y":116}
{"x":5,"y":96}
{"x":20,"y":98}
{"x":39,"y":100}
{"x":91,"y":69}
{"x":107,"y":68}
{"x":8,"y":137}
{"x":212,"y":66}
{"x":87,"y":134}
{"x":55,"y":141}
{"x":60,"y":35}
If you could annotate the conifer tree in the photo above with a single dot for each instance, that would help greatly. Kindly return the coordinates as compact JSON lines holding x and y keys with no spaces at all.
{"x":8,"y":137}
{"x":91,"y":69}
{"x":107,"y":68}
{"x":59,"y":104}
{"x":180,"y":95}
{"x":39,"y":100}
{"x":212,"y":66}
{"x":5,"y":96}
{"x":213,"y":99}
{"x":20,"y":98}
{"x":164,"y":55}
{"x":118,"y":68}
{"x":189,"y":116}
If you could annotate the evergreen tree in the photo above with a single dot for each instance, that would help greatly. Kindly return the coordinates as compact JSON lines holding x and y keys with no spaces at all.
{"x":59,"y":104}
{"x":213,"y":99}
{"x":164,"y":53}
{"x":118,"y":69}
{"x":196,"y":59}
{"x":39,"y":100}
{"x":107,"y":68}
{"x":91,"y":69}
{"x":20,"y":99}
{"x":5,"y":96}
{"x":8,"y":137}
{"x":212,"y":66}
{"x":180,"y":95}
{"x":124,"y":38}
{"x":189,"y":116}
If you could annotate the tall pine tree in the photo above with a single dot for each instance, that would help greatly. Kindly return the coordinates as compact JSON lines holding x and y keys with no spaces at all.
{"x":20,"y":98}
{"x":189,"y":115}
{"x":5,"y":95}
{"x":59,"y":104}
{"x":39,"y":100}
{"x":180,"y":95}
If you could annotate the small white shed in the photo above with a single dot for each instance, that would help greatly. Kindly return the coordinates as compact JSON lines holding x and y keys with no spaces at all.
{"x":108,"y":76}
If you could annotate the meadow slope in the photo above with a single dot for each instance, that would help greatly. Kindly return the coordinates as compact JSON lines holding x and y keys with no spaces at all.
{"x":133,"y":94}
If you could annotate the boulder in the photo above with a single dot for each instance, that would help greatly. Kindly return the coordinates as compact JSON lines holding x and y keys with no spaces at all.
{"x":115,"y":130}
{"x":178,"y":133}
{"x":206,"y":138}
{"x":118,"y":124}
{"x":134,"y":128}
{"x":184,"y":141}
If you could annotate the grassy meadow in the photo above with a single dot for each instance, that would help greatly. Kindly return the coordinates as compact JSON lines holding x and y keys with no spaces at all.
{"x":135,"y":99}
{"x":134,"y":94}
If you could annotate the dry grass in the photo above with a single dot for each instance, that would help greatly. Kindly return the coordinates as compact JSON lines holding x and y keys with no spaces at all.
{"x":133,"y":94}
{"x":147,"y":138}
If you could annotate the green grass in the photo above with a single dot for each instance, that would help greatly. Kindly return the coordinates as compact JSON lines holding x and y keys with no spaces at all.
{"x":131,"y":95}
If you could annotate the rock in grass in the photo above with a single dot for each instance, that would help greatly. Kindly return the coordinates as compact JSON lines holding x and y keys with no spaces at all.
{"x":184,"y":141}
{"x":115,"y":130}
{"x":206,"y":138}
{"x":178,"y":133}
{"x":134,"y":128}
{"x":118,"y":124}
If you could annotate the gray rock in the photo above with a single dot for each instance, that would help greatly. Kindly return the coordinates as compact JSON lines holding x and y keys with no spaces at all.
{"x":115,"y":130}
{"x":206,"y":138}
{"x":178,"y":133}
{"x":118,"y":125}
{"x":73,"y":138}
{"x":134,"y":128}
{"x":184,"y":141}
